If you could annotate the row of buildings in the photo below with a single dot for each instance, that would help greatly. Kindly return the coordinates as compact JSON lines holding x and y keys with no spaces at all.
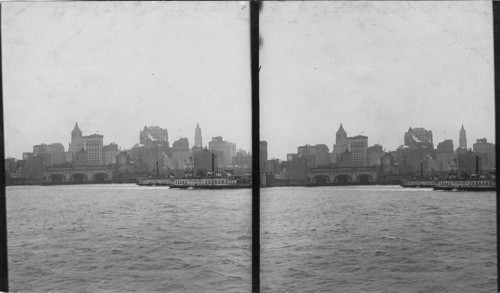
{"x":416,"y":157}
{"x":152,"y":155}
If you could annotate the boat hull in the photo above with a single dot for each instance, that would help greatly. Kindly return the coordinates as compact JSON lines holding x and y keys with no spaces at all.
{"x":466,"y":188}
{"x":210,"y":186}
{"x":467,"y":185}
{"x":154,"y":182}
{"x":419,"y":184}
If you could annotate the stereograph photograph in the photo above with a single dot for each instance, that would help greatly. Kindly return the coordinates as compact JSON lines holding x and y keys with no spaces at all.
{"x":129,"y":150}
{"x":116,"y":109}
{"x":370,"y":110}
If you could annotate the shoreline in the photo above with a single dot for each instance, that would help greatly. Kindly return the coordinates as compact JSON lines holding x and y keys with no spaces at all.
{"x":291,"y":185}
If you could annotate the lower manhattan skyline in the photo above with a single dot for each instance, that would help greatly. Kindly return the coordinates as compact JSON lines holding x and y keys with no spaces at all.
{"x":362,"y":64}
{"x":121,"y":71}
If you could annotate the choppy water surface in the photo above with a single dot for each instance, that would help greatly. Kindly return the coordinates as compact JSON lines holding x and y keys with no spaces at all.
{"x":377,"y":239}
{"x":128,"y":238}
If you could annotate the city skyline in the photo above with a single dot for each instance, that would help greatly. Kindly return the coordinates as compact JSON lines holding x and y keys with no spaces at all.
{"x":57,"y":70}
{"x":133,"y":64}
{"x":67,"y":143}
{"x":470,"y":141}
{"x":378,"y":68}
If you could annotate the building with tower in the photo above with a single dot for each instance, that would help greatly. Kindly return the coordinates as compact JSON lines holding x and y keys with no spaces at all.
{"x":340,"y":143}
{"x":197,"y":136}
{"x":92,"y":144}
{"x":76,"y":143}
{"x":462,"y":141}
{"x":356,"y":147}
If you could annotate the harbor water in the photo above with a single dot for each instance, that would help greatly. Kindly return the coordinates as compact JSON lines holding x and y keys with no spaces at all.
{"x":116,"y":238}
{"x":377,"y":239}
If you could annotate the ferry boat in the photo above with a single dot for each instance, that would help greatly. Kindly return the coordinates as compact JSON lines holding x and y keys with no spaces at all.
{"x":155,"y":182}
{"x":420,"y":183}
{"x":209,"y":183}
{"x":467,"y":185}
{"x":476,"y":182}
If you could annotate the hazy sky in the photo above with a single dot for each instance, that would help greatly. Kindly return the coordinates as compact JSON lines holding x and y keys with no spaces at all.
{"x":115,"y":67}
{"x":378,"y":68}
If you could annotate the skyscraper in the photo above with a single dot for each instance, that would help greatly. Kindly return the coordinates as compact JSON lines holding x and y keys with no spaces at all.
{"x":153,"y":135}
{"x":486,"y":151}
{"x":93,"y":146}
{"x":181,"y":153}
{"x":358,"y":146}
{"x":76,"y":143}
{"x":418,"y":137}
{"x":462,"y":141}
{"x":228,"y":149}
{"x":197,"y":136}
{"x":340,"y":142}
{"x":374,"y":155}
{"x":445,"y":154}
{"x":317,"y":155}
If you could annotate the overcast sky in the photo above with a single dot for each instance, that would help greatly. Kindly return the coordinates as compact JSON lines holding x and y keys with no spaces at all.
{"x":115,"y":67}
{"x":378,"y":68}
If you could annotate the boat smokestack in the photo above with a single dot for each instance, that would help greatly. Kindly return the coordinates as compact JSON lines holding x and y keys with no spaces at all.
{"x":213,"y":163}
{"x":477,"y":165}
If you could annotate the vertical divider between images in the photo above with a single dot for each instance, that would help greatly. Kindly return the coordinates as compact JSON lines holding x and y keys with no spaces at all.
{"x":254,"y":49}
{"x":4,"y":279}
{"x":496,"y":56}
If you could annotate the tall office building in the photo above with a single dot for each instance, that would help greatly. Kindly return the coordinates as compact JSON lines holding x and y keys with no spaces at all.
{"x":197,"y":136}
{"x":181,"y":145}
{"x":93,"y":146}
{"x":204,"y":161}
{"x":374,"y":155}
{"x":358,"y":146}
{"x":486,"y":151}
{"x":181,"y":153}
{"x":109,"y":153}
{"x":154,"y":135}
{"x":340,"y":141}
{"x":228,"y":149}
{"x":51,"y":154}
{"x":462,"y":141}
{"x":317,"y":155}
{"x":418,"y":137}
{"x":76,"y":143}
{"x":445,"y":155}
